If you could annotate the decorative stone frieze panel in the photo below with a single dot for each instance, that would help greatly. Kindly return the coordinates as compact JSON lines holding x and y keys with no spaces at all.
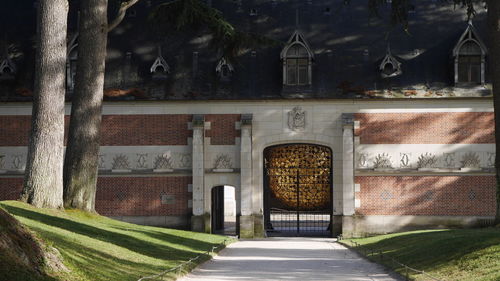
{"x":426,"y":161}
{"x":223,"y":163}
{"x":382,"y":161}
{"x":142,"y":161}
{"x":120,"y":164}
{"x":428,"y":158}
{"x":163,"y":163}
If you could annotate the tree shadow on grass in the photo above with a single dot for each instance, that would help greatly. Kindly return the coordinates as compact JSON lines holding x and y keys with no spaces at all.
{"x":147,"y":248}
{"x":186,"y":242}
{"x":432,"y":250}
{"x":99,"y":264}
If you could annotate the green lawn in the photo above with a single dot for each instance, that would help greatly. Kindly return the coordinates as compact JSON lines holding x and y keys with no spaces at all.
{"x":459,"y":254}
{"x":98,"y":248}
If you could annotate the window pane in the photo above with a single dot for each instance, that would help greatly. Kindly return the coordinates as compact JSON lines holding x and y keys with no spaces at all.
{"x":475,"y":59}
{"x":291,"y":62}
{"x":291,"y":75}
{"x":389,"y":69}
{"x":470,"y":48}
{"x":469,"y":69}
{"x":297,"y":51}
{"x":302,"y":52}
{"x":292,"y":51}
{"x":303,"y":61}
{"x":475,"y":73}
{"x":303,"y":75}
{"x":463,"y":73}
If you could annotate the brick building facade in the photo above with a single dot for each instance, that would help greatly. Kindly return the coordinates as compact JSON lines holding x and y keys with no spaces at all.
{"x":395,"y":165}
{"x":398,"y":130}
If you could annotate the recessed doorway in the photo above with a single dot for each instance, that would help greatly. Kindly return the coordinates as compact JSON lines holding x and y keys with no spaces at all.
{"x":224,"y":210}
{"x":298,"y":190}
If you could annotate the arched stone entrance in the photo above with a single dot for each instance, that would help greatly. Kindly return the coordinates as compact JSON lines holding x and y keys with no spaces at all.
{"x":298,"y":190}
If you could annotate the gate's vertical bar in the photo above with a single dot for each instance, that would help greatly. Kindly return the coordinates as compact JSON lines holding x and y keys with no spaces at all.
{"x":298,"y":203}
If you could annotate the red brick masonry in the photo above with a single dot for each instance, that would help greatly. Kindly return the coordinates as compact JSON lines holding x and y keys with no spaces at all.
{"x":14,"y":130}
{"x":161,"y":129}
{"x":141,"y":196}
{"x":222,"y":129}
{"x":425,"y":128}
{"x":10,"y":188}
{"x":145,"y":129}
{"x":126,"y":196}
{"x":427,"y":195}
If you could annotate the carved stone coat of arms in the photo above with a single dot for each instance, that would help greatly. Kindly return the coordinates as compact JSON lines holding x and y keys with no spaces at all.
{"x":297,"y":119}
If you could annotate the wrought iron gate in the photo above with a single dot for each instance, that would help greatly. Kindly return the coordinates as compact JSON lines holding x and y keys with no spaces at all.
{"x":297,"y":195}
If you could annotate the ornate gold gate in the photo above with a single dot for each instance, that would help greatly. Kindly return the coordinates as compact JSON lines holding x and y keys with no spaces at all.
{"x":297,"y":195}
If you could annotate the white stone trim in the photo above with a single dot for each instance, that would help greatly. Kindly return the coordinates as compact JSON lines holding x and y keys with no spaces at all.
{"x":447,"y":156}
{"x":262,"y":109}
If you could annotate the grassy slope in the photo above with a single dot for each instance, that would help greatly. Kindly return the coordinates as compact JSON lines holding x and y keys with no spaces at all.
{"x":460,"y":254}
{"x":98,"y":248}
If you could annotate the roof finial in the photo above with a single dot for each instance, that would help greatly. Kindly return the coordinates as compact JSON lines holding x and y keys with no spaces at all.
{"x":297,"y":18}
{"x":159,"y":50}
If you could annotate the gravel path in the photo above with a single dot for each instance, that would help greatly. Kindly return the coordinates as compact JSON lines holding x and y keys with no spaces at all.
{"x":288,"y":259}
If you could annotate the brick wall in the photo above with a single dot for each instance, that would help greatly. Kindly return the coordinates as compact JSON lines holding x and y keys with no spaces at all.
{"x":10,"y":188}
{"x":425,"y":128}
{"x":141,"y":196}
{"x":222,"y":129}
{"x":116,"y":129}
{"x":14,"y":130}
{"x":126,"y":196}
{"x":427,"y":195}
{"x":145,"y":129}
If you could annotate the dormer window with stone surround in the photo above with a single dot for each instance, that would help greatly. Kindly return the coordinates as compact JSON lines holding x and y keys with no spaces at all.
{"x":224,"y":70}
{"x":297,"y":61}
{"x":7,"y":69}
{"x":470,"y":58}
{"x":71,"y":66}
{"x":390,"y":66}
{"x":160,"y":69}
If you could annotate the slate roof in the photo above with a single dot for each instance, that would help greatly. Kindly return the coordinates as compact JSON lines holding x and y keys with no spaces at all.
{"x":348,"y":46}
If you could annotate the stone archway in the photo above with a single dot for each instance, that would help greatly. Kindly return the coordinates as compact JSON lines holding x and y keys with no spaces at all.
{"x":298,"y":190}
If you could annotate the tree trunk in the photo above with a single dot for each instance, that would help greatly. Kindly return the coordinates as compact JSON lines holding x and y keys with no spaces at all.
{"x":494,"y":64}
{"x":80,"y":167}
{"x":43,"y":181}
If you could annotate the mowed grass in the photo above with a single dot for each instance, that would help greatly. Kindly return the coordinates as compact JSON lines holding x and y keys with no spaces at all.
{"x":458,"y":254}
{"x":98,"y":248}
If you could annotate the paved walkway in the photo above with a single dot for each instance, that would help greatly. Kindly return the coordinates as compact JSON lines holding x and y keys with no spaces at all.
{"x":288,"y":259}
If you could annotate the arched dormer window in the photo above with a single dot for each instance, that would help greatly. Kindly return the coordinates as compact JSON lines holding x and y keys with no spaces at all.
{"x":71,"y":62}
{"x":160,"y":69}
{"x":297,"y":61}
{"x":7,"y":69}
{"x":390,"y":66}
{"x":470,"y":58}
{"x":224,"y":70}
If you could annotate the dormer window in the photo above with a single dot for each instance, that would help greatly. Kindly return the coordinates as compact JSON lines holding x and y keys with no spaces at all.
{"x":160,"y":69}
{"x":390,"y":66}
{"x":71,"y":66}
{"x":7,"y":69}
{"x":297,"y":61}
{"x":470,"y":57}
{"x":224,"y":70}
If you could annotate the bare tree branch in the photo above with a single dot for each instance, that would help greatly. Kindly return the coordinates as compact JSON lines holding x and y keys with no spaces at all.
{"x":124,"y":6}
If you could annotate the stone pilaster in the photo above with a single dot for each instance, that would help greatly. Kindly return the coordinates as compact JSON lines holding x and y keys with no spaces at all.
{"x":198,"y":221}
{"x":246,"y":221}
{"x":348,"y":164}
